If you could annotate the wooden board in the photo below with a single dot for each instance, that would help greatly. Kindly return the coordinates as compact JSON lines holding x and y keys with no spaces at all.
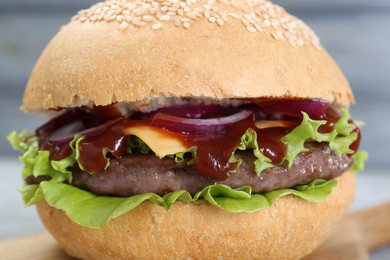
{"x":352,"y":239}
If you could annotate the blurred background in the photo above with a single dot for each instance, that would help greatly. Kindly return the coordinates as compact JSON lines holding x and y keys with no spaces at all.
{"x":355,"y":32}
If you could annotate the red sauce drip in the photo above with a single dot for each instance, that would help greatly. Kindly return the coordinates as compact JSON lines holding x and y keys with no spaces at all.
{"x":212,"y":156}
{"x":328,"y":126}
{"x":57,"y":151}
{"x":91,"y":148}
{"x":213,"y":153}
{"x":271,"y":144}
{"x":355,"y":145}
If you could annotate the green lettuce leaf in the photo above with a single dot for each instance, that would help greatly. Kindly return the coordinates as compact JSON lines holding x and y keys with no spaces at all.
{"x":359,"y":158}
{"x":93,"y":211}
{"x":38,"y":163}
{"x":249,"y":142}
{"x":179,"y":157}
{"x":339,"y":139}
{"x":136,"y":146}
{"x":23,"y":141}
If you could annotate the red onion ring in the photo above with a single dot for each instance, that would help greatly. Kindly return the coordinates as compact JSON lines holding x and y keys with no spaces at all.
{"x":197,"y":126}
{"x":55,"y":123}
{"x":62,"y":136}
{"x":315,"y":108}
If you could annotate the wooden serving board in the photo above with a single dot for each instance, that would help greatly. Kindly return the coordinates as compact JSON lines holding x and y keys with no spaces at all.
{"x":355,"y":236}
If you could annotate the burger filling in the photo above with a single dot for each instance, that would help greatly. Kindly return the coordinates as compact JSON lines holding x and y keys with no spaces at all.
{"x":137,"y":174}
{"x":191,"y":151}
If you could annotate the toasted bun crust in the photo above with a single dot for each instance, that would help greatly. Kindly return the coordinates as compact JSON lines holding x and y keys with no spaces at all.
{"x":236,"y":49}
{"x":290,"y":229}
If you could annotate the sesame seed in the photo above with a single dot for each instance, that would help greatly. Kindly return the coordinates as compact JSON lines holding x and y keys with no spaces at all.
{"x":185,"y":20}
{"x":292,"y":42}
{"x":131,"y":6}
{"x":276,"y":37}
{"x":245,"y":22}
{"x":109,"y":18}
{"x":197,"y":14}
{"x":119,"y":18}
{"x":251,"y":28}
{"x":165,"y":17}
{"x":152,"y":11}
{"x":220,"y":22}
{"x":177,"y":23}
{"x":208,"y":7}
{"x":128,"y":18}
{"x":186,"y":25}
{"x":100,"y":17}
{"x":234,"y":15}
{"x":147,"y":18}
{"x":136,"y":10}
{"x":140,"y":24}
{"x":191,"y":16}
{"x":93,"y":18}
{"x":199,"y":9}
{"x":223,"y":16}
{"x":258,"y":27}
{"x":212,"y":19}
{"x":156,"y":26}
{"x":123,"y":26}
{"x":136,"y":20}
{"x":245,"y":9}
{"x":207,"y":14}
{"x":280,"y":35}
{"x":158,"y":14}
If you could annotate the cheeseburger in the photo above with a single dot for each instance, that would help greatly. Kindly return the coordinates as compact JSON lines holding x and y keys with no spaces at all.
{"x":187,"y":129}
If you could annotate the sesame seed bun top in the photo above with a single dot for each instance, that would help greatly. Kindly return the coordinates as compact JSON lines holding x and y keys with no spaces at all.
{"x":129,"y":51}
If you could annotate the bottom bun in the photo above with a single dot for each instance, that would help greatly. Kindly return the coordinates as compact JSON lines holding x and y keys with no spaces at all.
{"x":290,"y":229}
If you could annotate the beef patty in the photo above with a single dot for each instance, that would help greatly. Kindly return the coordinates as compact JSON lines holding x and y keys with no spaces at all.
{"x":137,"y":174}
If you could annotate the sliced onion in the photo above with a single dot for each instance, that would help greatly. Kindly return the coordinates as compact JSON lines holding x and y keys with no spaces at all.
{"x":197,"y":126}
{"x":61,"y":136}
{"x":55,"y":123}
{"x":66,"y":133}
{"x":315,"y":108}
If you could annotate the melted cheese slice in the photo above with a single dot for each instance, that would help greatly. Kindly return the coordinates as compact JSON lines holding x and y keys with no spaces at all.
{"x":272,"y":123}
{"x":161,"y":142}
